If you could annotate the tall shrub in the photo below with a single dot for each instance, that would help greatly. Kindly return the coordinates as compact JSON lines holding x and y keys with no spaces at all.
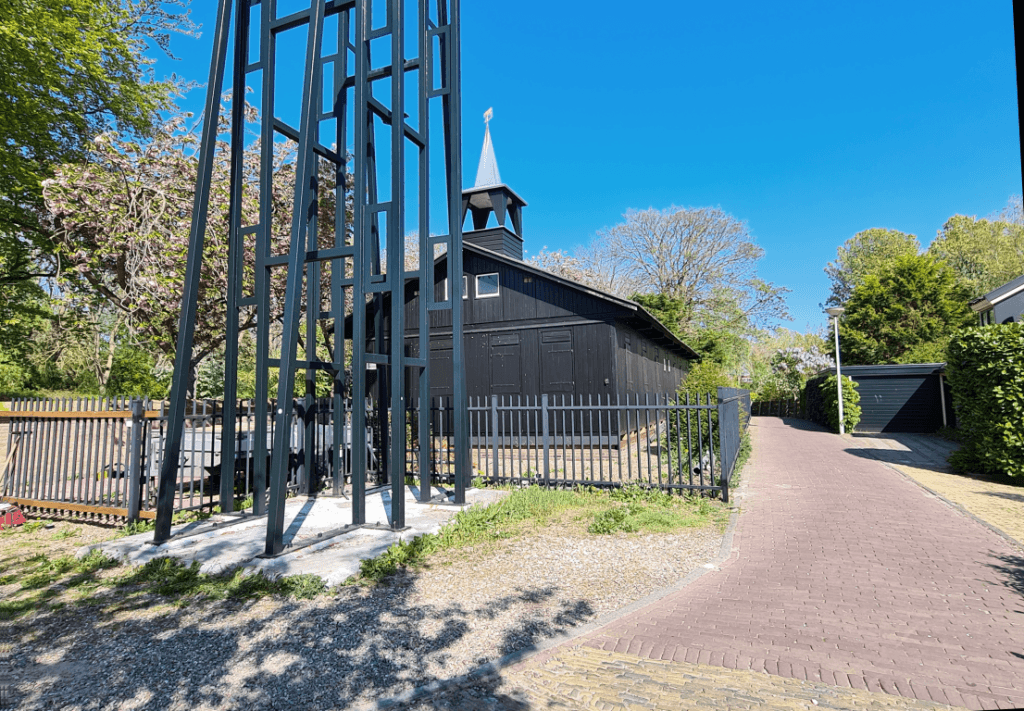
{"x":985,"y":368}
{"x":851,"y":402}
{"x":702,"y":381}
{"x":820,"y":402}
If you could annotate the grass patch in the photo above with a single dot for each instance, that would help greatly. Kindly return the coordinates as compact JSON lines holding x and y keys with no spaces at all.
{"x":629,"y":509}
{"x":40,"y":575}
{"x":146,"y":525}
{"x":136,"y":527}
{"x":170,"y":577}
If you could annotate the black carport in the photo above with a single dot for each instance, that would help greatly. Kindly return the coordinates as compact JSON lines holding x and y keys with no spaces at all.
{"x":902,"y":398}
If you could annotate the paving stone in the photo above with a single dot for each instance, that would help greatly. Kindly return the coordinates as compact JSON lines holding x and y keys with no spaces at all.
{"x":841,"y":565}
{"x":631,"y":682}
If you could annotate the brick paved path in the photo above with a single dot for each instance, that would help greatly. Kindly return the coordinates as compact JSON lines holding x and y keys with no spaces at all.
{"x":849,"y":574}
{"x":923,"y":458}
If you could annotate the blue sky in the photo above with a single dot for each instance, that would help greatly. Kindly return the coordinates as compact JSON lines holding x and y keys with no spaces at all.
{"x":810,"y":121}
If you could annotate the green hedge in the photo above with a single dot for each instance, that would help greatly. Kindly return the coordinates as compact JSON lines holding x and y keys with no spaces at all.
{"x":820,"y":402}
{"x":985,"y":369}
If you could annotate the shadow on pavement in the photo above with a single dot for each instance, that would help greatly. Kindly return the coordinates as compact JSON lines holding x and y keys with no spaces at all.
{"x":1003,"y":495}
{"x":891,"y":456}
{"x":1011,"y":567}
{"x":794,"y":422}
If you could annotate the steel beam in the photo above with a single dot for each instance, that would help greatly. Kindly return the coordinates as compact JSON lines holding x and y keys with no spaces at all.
{"x":187,"y":321}
{"x":359,"y":279}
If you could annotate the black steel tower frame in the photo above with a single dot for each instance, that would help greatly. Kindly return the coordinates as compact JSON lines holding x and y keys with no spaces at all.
{"x":357,"y":272}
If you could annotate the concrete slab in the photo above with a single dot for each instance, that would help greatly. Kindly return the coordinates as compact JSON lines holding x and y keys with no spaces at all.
{"x":224,"y":542}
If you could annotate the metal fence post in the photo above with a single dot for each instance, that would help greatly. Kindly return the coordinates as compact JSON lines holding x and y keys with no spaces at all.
{"x":494,"y":434}
{"x":725,"y":460}
{"x":138,"y":443}
{"x":544,"y":434}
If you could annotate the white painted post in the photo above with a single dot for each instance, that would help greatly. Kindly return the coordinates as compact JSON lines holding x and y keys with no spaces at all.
{"x":835,"y":312}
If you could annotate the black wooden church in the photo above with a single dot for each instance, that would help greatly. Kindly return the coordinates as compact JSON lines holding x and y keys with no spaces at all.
{"x":528,"y":331}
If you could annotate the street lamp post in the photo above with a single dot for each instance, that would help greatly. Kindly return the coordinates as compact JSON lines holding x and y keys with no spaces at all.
{"x":835,"y":312}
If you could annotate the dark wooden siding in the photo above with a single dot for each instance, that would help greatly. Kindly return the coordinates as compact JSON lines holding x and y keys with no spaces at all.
{"x":645,"y":367}
{"x":540,"y":336}
{"x":498,"y":240}
{"x":900,"y":402}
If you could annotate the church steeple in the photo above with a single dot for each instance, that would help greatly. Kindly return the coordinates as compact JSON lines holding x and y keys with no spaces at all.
{"x":487,"y":174}
{"x":490,"y":195}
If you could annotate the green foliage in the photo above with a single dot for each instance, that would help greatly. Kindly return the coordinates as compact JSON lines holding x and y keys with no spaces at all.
{"x":643,"y":509}
{"x":865,"y":253}
{"x":132,"y":374}
{"x":22,"y":301}
{"x":851,"y":402}
{"x":71,"y":70}
{"x":211,"y":374}
{"x":983,"y":254}
{"x":704,"y":379}
{"x":14,"y":375}
{"x":702,"y":383}
{"x":621,"y":519}
{"x":716,"y":336}
{"x":671,"y":312}
{"x":912,"y":302}
{"x":985,"y":369}
{"x":43,"y":571}
{"x":929,"y":352}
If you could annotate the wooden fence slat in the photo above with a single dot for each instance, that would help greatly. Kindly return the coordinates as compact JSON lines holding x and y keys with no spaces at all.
{"x":68,"y":506}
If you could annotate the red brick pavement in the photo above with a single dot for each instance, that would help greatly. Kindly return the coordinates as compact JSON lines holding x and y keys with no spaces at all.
{"x":844,"y":571}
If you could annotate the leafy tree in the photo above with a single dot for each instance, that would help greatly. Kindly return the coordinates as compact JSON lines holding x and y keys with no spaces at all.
{"x":23,"y":303}
{"x":133,"y":374}
{"x":914,"y":301}
{"x":693,"y":268}
{"x":984,"y":254}
{"x":866,"y":253}
{"x":664,"y":308}
{"x":789,"y":370}
{"x":121,"y":222}
{"x":72,"y":70}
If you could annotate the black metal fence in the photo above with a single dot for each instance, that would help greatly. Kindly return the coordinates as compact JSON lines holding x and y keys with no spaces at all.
{"x":657,"y":440}
{"x":102,"y":456}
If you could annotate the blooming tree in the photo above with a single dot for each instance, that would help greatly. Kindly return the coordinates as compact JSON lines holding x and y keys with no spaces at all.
{"x":122,"y":221}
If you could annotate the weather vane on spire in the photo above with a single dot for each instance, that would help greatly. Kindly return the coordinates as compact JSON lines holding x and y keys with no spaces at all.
{"x":488,"y":115}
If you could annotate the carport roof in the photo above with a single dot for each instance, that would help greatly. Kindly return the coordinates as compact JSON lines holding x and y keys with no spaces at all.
{"x":897,"y":369}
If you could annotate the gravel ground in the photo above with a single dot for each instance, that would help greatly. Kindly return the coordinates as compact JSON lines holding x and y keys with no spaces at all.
{"x":352,"y":648}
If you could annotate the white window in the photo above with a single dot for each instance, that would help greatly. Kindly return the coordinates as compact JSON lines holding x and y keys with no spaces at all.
{"x":487,"y":286}
{"x":465,"y":287}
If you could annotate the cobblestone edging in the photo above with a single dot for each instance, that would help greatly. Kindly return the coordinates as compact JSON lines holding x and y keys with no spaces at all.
{"x":593,"y":679}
